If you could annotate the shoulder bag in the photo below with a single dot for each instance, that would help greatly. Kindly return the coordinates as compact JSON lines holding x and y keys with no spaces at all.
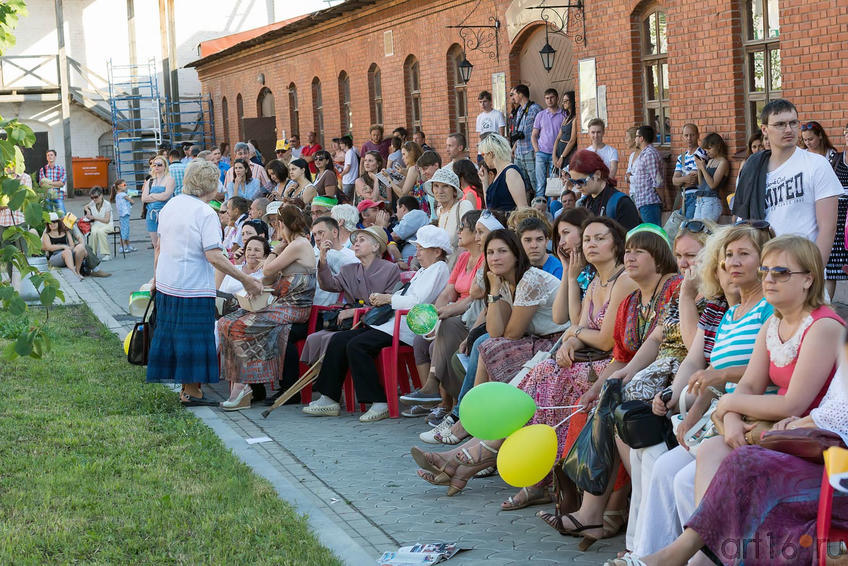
{"x":382,"y":314}
{"x":142,"y":335}
{"x":639,"y":427}
{"x":806,"y":443}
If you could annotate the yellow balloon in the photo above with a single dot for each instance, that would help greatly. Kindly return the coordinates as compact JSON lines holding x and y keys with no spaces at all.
{"x":127,"y":343}
{"x":527,"y":455}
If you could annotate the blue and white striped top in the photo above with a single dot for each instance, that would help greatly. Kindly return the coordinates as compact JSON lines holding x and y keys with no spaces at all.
{"x":734,"y":341}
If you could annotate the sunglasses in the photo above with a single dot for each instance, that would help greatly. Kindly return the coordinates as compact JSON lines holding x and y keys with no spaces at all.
{"x":779,"y":274}
{"x":809,"y":126}
{"x":580,"y":182}
{"x":320,"y":159}
{"x":695,"y":226}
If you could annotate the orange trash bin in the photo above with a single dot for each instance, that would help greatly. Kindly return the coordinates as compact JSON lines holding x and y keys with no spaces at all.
{"x":90,"y":172}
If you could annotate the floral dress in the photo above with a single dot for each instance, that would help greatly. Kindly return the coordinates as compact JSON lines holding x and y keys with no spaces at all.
{"x":253,"y":344}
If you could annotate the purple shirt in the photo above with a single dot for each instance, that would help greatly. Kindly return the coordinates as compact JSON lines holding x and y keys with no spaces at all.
{"x":548,"y":125}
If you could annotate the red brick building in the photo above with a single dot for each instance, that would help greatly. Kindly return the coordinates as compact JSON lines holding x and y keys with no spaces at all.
{"x":664,"y":62}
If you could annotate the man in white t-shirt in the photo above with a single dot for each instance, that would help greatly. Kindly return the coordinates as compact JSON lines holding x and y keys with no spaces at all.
{"x":351,"y":165}
{"x":597,"y":129}
{"x":325,"y":232}
{"x":794,"y":190}
{"x":490,"y":119}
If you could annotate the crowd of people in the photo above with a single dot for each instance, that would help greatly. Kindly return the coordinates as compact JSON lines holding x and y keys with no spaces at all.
{"x":565,"y":295}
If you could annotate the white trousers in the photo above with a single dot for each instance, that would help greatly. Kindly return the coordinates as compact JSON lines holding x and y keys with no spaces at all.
{"x":641,"y":467}
{"x":668,"y":503}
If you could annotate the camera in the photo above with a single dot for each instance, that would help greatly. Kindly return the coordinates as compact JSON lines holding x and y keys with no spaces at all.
{"x":515,"y":137}
{"x":665,"y":395}
{"x":701,"y":154}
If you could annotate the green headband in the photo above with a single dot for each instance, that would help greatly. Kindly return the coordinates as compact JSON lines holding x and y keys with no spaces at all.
{"x":652,"y":228}
{"x":215,"y":204}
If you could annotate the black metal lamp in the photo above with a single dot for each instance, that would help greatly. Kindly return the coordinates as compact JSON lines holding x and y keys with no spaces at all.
{"x":465,"y":68}
{"x":547,"y":53}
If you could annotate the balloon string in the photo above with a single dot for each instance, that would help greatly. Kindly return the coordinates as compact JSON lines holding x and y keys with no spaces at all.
{"x":569,"y":416}
{"x":560,"y":407}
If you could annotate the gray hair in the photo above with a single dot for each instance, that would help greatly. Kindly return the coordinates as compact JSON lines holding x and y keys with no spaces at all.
{"x":195,"y":149}
{"x":201,"y":178}
{"x":204,"y":154}
{"x":498,"y":145}
{"x":345,"y":214}
{"x":241,"y":146}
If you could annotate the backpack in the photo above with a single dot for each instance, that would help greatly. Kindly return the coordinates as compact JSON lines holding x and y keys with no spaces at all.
{"x":612,"y":204}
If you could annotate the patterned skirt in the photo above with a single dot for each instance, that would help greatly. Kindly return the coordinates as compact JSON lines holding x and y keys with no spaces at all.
{"x":838,"y":253}
{"x":552,"y":386}
{"x":183,"y":347}
{"x":253,"y":344}
{"x":503,"y":357}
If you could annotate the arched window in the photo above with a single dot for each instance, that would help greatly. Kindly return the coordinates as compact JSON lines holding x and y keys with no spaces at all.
{"x":318,"y":110}
{"x":655,"y":74}
{"x":375,"y":94}
{"x":412,"y":86}
{"x":761,"y":40}
{"x":294,"y":114}
{"x":345,"y":113}
{"x":457,"y":100}
{"x":239,"y":116}
{"x":265,"y":103}
{"x":225,"y":119}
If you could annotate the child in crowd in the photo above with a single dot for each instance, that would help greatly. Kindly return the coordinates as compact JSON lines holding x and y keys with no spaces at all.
{"x":124,"y":203}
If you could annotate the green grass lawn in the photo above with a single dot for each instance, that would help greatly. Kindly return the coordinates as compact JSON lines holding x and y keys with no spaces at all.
{"x":98,"y":467}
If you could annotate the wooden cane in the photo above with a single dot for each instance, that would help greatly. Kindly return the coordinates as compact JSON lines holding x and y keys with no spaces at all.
{"x":308,"y":378}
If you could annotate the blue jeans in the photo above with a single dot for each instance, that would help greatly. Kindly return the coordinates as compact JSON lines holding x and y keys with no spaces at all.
{"x":125,"y":227}
{"x":526,"y":166}
{"x":651,"y":213}
{"x":543,"y":167}
{"x":57,"y":205}
{"x":689,"y":200}
{"x":708,"y":208}
{"x":471,"y":372}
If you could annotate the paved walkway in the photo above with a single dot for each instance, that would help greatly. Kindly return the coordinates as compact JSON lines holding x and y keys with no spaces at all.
{"x":355,"y":481}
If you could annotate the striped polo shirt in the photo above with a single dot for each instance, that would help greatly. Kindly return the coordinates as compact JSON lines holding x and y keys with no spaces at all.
{"x":734,"y":341}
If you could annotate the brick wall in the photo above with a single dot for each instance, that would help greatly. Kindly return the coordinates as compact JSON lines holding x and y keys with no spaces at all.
{"x":705,"y":66}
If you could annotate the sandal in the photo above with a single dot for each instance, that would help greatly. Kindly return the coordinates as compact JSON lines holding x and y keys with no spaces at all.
{"x":469,"y":460}
{"x":450,"y":437}
{"x":629,"y":559}
{"x":435,"y":479}
{"x":488,"y":472}
{"x":427,"y":461}
{"x":614,"y":521}
{"x":189,"y":401}
{"x":514,"y":503}
{"x":555,"y":522}
{"x":566,"y":496}
{"x":465,"y":472}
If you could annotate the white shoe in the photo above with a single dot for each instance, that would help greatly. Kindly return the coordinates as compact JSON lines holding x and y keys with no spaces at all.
{"x":106,"y":257}
{"x":242,"y":400}
{"x":430,"y":436}
{"x":330,"y":410}
{"x":377,"y":412}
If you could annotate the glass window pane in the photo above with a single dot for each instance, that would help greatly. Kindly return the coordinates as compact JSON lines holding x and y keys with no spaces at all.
{"x":650,"y":27}
{"x":661,"y":32}
{"x":460,"y":104}
{"x":652,"y":82}
{"x":666,"y":127}
{"x":415,"y":82}
{"x":774,"y":68}
{"x":773,"y":18}
{"x":378,"y":111}
{"x":654,"y":120}
{"x":665,"y":81}
{"x":756,"y":71}
{"x":416,"y":109}
{"x":378,"y":85}
{"x":755,"y":108}
{"x":757,"y":23}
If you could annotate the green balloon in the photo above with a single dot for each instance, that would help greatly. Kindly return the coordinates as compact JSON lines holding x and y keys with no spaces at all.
{"x":494,"y":410}
{"x":422,"y":319}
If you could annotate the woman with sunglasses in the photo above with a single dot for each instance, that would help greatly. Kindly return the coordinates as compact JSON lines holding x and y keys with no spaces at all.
{"x":326,"y":183}
{"x":156,"y":191}
{"x":673,"y":471}
{"x":590,"y":175}
{"x":797,"y":349}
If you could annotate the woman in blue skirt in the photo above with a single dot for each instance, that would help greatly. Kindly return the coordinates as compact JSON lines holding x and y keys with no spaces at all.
{"x":187,"y":253}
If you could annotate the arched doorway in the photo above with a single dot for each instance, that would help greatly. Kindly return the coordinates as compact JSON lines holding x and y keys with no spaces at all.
{"x":525,"y":52}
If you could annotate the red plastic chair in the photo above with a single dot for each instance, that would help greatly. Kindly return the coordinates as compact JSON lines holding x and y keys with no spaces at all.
{"x":306,"y":392}
{"x":824,"y":532}
{"x":393,"y":362}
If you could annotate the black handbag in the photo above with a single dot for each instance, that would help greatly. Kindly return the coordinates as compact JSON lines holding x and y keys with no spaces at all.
{"x":329,"y":320}
{"x":639,"y":427}
{"x":142,"y":335}
{"x":589,"y":462}
{"x":382,"y":314}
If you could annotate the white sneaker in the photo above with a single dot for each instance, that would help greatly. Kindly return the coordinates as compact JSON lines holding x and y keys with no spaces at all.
{"x":106,"y":257}
{"x":377,"y":412}
{"x":430,"y":436}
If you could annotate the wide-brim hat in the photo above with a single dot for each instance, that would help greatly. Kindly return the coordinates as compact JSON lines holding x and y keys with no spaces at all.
{"x":446,"y":176}
{"x":272,"y":208}
{"x":375,"y":232}
{"x":430,"y":236}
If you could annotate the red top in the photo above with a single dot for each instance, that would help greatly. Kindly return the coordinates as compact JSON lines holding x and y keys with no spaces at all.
{"x":782,"y":375}
{"x":628,"y":336}
{"x":309,"y":150}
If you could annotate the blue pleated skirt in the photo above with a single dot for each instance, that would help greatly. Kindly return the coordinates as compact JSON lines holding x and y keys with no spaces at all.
{"x":183,"y":348}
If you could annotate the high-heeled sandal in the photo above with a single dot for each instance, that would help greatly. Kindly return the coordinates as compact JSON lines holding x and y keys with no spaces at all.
{"x":614,"y":521}
{"x":469,"y":460}
{"x":555,"y":522}
{"x":435,"y":479}
{"x":513,"y":503}
{"x":464,"y":473}
{"x":426,"y":462}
